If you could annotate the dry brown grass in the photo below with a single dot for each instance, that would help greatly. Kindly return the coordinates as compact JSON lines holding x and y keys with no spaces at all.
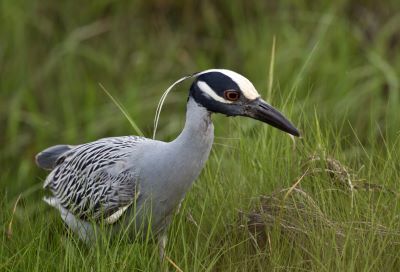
{"x":296,"y":215}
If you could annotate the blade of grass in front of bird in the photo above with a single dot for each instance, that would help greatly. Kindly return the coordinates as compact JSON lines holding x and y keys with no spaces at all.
{"x":124,"y":112}
{"x":271,"y":70}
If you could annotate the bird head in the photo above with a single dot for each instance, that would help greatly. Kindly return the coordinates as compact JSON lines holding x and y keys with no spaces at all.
{"x":227,"y":92}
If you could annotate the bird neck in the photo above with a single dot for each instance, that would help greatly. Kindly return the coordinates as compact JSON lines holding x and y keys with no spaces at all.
{"x":198,"y":125}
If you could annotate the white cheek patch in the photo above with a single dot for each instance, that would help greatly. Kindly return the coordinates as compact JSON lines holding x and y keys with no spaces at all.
{"x":207,"y":90}
{"x":247,"y":88}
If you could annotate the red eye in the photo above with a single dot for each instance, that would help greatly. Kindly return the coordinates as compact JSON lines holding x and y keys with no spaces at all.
{"x":231,"y":95}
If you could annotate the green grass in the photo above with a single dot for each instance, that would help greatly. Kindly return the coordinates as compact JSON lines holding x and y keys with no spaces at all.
{"x":335,"y":75}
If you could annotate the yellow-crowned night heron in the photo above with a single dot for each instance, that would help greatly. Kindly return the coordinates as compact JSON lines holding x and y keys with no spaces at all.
{"x":111,"y":179}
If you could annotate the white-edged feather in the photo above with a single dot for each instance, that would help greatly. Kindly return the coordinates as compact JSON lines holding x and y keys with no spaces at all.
{"x":115,"y":216}
{"x":52,"y":201}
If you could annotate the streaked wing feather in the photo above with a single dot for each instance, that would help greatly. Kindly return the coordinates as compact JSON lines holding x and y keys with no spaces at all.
{"x":94,"y":181}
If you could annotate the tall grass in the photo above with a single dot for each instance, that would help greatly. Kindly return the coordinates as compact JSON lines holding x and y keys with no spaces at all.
{"x":335,"y":74}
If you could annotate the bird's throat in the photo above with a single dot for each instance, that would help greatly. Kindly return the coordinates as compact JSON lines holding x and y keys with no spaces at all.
{"x":198,"y":127}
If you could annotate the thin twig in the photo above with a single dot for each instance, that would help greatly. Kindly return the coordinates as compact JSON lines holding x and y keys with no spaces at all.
{"x":173,"y":264}
{"x":295,"y":185}
{"x":9,"y":229}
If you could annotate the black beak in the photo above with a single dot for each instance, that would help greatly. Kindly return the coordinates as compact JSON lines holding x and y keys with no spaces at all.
{"x":259,"y":109}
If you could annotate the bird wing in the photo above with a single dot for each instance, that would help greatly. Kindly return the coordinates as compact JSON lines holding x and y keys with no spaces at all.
{"x":95,"y":181}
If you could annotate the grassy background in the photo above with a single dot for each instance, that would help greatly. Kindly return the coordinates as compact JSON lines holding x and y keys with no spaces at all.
{"x":335,"y":74}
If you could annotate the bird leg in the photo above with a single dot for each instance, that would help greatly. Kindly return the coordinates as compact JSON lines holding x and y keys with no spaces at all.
{"x":162,"y":244}
{"x":162,"y":236}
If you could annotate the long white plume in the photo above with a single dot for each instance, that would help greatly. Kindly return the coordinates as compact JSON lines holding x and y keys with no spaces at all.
{"x":162,"y":99}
